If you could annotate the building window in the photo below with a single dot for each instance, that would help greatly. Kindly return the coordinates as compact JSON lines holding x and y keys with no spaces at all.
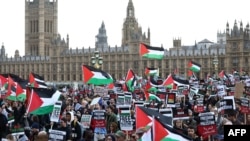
{"x":167,"y":65}
{"x":159,"y":64}
{"x":62,"y":78}
{"x":152,"y":63}
{"x":54,"y":77}
{"x":145,"y":63}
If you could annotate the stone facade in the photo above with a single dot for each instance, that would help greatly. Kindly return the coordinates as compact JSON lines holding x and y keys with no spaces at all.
{"x":49,"y":55}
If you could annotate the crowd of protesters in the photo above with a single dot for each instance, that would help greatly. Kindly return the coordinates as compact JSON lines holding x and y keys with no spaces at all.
{"x":36,"y":127}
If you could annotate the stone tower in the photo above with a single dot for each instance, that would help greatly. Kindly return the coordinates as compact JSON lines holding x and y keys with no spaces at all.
{"x":237,"y":44}
{"x":41,"y":23}
{"x":101,"y":38}
{"x":132,"y":34}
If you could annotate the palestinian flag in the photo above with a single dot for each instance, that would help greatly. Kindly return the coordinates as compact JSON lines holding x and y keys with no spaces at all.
{"x":41,"y":101}
{"x":145,"y":115}
{"x":149,"y":88}
{"x":195,"y":67}
{"x":130,"y":80}
{"x":168,"y":82}
{"x":151,"y":52}
{"x":16,"y":88}
{"x":151,"y":71}
{"x":95,"y":76}
{"x":179,"y":81}
{"x":37,"y":81}
{"x":164,"y":132}
{"x":3,"y":81}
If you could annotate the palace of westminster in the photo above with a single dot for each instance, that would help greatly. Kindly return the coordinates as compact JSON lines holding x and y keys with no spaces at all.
{"x":49,"y":55}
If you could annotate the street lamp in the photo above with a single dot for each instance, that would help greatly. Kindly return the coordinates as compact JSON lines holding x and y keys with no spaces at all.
{"x":96,"y":60}
{"x":216,"y":62}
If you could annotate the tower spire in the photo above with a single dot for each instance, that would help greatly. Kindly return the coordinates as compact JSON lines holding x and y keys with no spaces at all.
{"x":130,"y":9}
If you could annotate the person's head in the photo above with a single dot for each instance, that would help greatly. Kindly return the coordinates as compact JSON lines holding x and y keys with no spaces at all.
{"x":112,"y":101}
{"x":232,"y":115}
{"x":84,"y":103}
{"x":63,"y":122}
{"x":69,"y":108}
{"x":42,"y":136}
{"x":68,"y":116}
{"x":120,"y":136}
{"x":178,"y":123}
{"x":191,"y":131}
{"x":35,"y":118}
{"x":110,"y":137}
{"x":113,"y":126}
{"x":109,"y":109}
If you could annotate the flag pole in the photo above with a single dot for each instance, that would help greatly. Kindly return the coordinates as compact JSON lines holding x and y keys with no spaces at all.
{"x":153,"y":130}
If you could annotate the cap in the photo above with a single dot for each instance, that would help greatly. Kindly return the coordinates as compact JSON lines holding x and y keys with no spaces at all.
{"x":120,"y":134}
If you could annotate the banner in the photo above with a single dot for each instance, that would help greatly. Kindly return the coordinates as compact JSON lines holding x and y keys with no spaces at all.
{"x":128,"y":98}
{"x":56,"y":112}
{"x":207,"y":118}
{"x":56,"y":135}
{"x":244,"y":105}
{"x":85,"y":120}
{"x":170,"y":99}
{"x":120,"y":100}
{"x":180,"y":113}
{"x":99,"y":118}
{"x":126,"y":123}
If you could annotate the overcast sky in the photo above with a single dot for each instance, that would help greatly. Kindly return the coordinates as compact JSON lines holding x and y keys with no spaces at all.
{"x":190,"y":20}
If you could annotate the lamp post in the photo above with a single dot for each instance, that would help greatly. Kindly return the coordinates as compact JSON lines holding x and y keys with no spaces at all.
{"x":96,"y":60}
{"x":216,"y":62}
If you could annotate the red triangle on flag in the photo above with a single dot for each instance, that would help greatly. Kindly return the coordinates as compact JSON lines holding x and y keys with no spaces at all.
{"x":32,"y":80}
{"x":111,"y":86}
{"x":190,"y":73}
{"x":147,"y":71}
{"x":33,"y":101}
{"x":87,"y":74}
{"x":19,"y":90}
{"x":130,"y":75}
{"x":169,"y":80}
{"x":143,"y":49}
{"x":190,"y":64}
{"x":142,"y":118}
{"x":159,"y":131}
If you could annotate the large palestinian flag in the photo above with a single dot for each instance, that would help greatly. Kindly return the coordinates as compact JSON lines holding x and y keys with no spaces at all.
{"x":95,"y":76}
{"x":37,"y":81}
{"x":195,"y":67}
{"x":41,"y":101}
{"x":144,"y":117}
{"x":163,"y":132}
{"x":151,"y":52}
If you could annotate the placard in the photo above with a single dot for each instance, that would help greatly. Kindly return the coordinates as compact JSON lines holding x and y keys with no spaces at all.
{"x":56,"y":135}
{"x":126,"y":122}
{"x":85,"y":120}
{"x":99,"y":118}
{"x":207,"y":118}
{"x":56,"y":112}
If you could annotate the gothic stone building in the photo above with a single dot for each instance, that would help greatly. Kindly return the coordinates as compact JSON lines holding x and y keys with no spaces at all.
{"x":49,"y":55}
